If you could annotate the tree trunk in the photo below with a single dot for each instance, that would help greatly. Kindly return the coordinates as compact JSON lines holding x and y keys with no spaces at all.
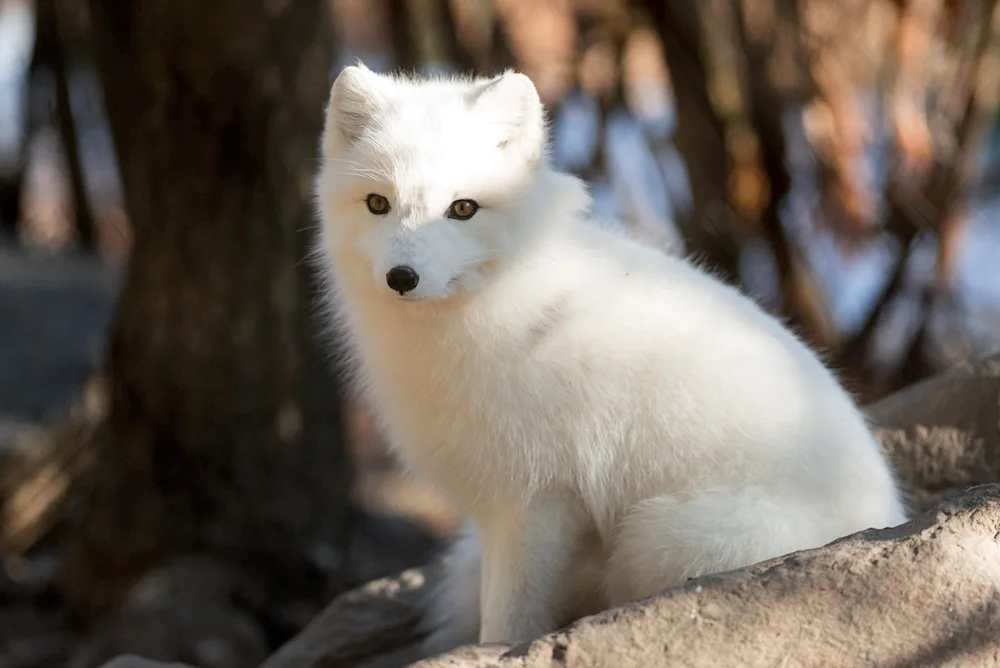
{"x":223,"y":434}
{"x":771,"y":92}
{"x":51,"y":54}
{"x":700,"y":138}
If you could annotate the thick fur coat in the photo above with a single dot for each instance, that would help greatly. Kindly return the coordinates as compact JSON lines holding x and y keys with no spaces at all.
{"x":611,"y":418}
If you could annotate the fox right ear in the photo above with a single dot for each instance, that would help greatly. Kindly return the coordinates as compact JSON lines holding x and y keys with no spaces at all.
{"x":512,"y":103}
{"x":357,"y":98}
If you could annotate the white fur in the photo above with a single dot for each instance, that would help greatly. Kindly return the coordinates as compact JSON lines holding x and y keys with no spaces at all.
{"x":612,"y":419}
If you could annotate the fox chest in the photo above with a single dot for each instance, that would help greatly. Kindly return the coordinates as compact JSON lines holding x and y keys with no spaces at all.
{"x":458,"y":416}
{"x":432,"y":402}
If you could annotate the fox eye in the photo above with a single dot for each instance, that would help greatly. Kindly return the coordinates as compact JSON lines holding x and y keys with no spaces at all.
{"x":377,"y":204}
{"x":462,"y":209}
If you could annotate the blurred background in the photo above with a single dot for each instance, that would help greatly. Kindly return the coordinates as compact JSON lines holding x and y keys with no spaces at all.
{"x":836,"y":158}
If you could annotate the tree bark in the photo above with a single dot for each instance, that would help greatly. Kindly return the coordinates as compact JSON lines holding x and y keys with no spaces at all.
{"x":223,"y":433}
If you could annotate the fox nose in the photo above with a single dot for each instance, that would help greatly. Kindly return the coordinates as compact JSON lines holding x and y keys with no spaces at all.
{"x":402,"y":279}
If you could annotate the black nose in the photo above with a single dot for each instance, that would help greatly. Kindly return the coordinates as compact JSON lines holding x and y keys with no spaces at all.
{"x":402,"y":278}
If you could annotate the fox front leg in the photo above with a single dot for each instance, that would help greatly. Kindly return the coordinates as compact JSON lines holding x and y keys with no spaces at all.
{"x":527,"y":556}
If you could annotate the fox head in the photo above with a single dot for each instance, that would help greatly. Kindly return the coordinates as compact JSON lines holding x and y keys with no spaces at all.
{"x":431,"y":186}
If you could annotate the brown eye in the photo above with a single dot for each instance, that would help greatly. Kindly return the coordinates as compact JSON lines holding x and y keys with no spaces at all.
{"x":377,"y":204}
{"x":462,"y":209}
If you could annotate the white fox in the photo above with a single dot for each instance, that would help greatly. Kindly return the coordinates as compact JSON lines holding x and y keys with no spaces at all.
{"x":611,"y":419}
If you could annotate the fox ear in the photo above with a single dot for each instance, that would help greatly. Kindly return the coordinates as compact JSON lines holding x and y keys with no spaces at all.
{"x":512,"y":103}
{"x":357,"y":98}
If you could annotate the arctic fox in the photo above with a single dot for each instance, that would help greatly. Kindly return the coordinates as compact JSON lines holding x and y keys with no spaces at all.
{"x":611,"y":419}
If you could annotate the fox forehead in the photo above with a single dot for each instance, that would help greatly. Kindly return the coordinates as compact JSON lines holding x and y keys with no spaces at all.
{"x":415,"y":176}
{"x":418,"y":133}
{"x":431,"y":164}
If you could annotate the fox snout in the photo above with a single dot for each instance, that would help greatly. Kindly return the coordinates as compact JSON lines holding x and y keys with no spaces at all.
{"x":402,"y":279}
{"x":419,"y":262}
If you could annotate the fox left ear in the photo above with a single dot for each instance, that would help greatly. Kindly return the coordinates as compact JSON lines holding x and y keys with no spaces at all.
{"x":512,"y":102}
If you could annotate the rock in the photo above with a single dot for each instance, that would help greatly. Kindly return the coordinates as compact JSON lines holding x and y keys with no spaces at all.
{"x":943,"y":434}
{"x":133,"y":661}
{"x":924,"y":594}
{"x":383,"y":544}
{"x":365,"y":624}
